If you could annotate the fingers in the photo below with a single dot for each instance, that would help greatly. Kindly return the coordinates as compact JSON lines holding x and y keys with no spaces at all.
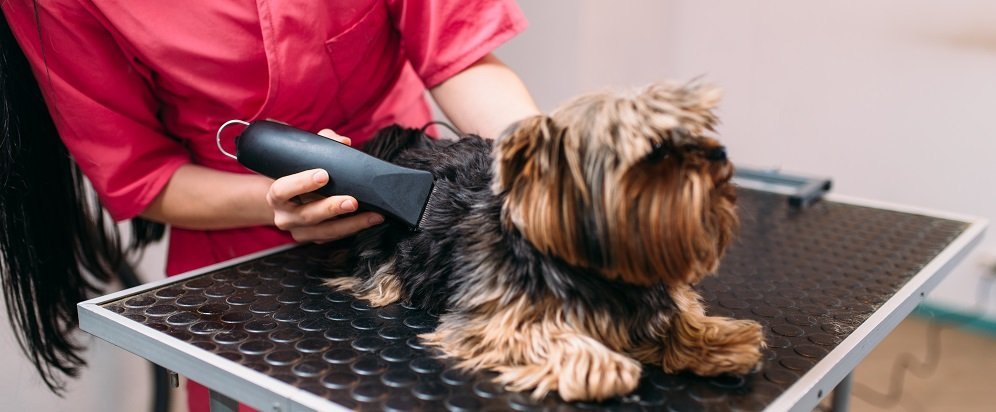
{"x":335,"y":136}
{"x":337,"y":228}
{"x":318,"y":220}
{"x":313,"y":213}
{"x":286,"y":188}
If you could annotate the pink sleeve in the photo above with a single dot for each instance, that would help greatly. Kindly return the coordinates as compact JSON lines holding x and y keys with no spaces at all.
{"x":443,"y":37}
{"x":104,"y":110}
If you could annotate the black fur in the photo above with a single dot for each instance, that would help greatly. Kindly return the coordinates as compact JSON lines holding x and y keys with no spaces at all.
{"x":463,"y":231}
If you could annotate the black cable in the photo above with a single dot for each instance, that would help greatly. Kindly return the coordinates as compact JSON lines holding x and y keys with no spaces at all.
{"x":446,"y":125}
{"x":907,"y":363}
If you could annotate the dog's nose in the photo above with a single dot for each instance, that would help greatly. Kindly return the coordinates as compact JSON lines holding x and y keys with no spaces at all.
{"x":717,"y":154}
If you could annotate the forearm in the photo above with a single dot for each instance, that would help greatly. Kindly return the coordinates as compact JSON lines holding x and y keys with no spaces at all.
{"x":197,"y":197}
{"x":485,"y":98}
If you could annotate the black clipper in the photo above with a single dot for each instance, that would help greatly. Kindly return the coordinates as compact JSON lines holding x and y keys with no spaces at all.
{"x":277,"y":150}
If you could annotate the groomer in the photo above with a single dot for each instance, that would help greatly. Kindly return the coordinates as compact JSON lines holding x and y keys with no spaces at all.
{"x":137,"y":91}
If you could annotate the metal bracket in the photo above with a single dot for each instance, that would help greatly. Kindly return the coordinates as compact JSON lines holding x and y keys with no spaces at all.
{"x":801,"y":190}
{"x":174,"y":379}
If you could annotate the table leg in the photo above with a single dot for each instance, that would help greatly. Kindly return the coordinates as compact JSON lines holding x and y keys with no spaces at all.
{"x":222,"y":403}
{"x":842,"y":394}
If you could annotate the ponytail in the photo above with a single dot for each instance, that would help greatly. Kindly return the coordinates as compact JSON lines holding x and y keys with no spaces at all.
{"x":57,"y":248}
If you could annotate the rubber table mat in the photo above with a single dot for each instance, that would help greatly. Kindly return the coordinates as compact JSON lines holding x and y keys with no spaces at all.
{"x":810,"y":276}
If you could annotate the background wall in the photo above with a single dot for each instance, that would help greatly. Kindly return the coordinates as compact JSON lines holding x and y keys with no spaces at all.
{"x":893,"y":98}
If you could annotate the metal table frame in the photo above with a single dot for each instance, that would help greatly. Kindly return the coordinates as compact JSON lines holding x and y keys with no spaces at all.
{"x":230,"y":381}
{"x":227,"y":380}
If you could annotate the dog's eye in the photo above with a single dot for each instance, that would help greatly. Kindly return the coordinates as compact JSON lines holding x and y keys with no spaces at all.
{"x":658,"y":152}
{"x":716,"y":154}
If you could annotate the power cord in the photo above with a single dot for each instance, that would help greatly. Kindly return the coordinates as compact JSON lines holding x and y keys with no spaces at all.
{"x":908,"y":363}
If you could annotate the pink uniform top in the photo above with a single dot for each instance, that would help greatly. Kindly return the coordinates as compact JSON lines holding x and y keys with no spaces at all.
{"x":139,"y":88}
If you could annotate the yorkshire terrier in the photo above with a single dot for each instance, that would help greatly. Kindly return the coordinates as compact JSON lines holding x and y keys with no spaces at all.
{"x":563,"y":254}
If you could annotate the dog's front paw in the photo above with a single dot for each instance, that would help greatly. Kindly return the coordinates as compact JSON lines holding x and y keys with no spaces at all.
{"x":578,"y":373}
{"x":604,"y":379}
{"x":712,"y":346}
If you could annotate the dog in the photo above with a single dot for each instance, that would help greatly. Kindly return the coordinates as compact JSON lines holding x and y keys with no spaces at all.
{"x":563,"y":254}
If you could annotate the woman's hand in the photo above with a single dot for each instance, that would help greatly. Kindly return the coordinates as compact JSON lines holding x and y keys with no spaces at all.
{"x":312,"y":218}
{"x":200,"y":198}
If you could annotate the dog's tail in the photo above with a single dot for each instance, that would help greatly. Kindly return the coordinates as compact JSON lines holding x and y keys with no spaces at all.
{"x":392,"y":140}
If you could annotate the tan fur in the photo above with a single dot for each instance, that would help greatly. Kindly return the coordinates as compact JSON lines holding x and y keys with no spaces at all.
{"x":387,"y":291}
{"x":345,"y":284}
{"x":709,"y":345}
{"x":381,"y":289}
{"x":544,"y":347}
{"x":543,"y":180}
{"x":539,"y":347}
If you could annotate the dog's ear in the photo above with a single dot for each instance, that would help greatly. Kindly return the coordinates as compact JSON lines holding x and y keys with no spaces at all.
{"x":536,"y":151}
{"x":517,"y":148}
{"x":540,"y":175}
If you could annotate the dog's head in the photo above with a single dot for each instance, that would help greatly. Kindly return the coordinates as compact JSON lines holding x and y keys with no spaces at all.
{"x":629,"y":186}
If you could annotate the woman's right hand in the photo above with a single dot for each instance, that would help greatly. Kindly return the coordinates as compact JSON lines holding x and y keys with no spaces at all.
{"x":312,"y":218}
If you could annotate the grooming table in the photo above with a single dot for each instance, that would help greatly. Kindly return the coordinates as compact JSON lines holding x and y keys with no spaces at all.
{"x":828,"y":282}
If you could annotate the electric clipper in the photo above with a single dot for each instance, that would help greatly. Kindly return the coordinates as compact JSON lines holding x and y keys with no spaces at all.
{"x":277,"y":150}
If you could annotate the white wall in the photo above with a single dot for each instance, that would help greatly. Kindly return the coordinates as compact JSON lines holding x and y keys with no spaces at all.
{"x":115,"y":381}
{"x":892,"y":98}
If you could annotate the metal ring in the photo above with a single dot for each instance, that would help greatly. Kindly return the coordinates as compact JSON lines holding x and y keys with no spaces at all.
{"x":218,"y":136}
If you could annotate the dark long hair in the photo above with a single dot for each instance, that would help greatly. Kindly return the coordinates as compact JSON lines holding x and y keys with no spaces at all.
{"x":57,"y":247}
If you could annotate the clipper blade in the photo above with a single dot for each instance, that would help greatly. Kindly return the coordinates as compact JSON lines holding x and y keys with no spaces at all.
{"x":429,"y":205}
